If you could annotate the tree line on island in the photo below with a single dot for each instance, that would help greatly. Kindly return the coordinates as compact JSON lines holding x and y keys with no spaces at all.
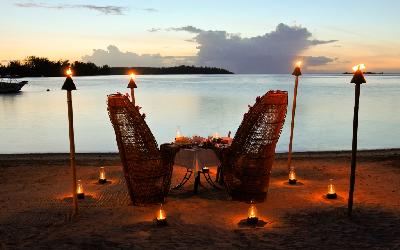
{"x":34,"y":66}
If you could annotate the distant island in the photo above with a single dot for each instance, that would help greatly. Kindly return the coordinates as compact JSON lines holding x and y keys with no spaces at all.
{"x":43,"y":67}
{"x":366,"y":73}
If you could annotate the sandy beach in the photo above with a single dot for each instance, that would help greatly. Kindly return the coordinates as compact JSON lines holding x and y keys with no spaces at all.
{"x":35,"y":207}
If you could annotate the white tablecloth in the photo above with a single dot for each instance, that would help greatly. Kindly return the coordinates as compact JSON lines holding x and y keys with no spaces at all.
{"x":196,"y":159}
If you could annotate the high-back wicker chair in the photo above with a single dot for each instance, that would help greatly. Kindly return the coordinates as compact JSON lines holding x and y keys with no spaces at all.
{"x":247,"y":163}
{"x":147,"y":170}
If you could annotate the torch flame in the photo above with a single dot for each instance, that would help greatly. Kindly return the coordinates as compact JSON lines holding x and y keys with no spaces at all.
{"x":133,"y":76}
{"x":68,"y":72}
{"x":359,"y":67}
{"x":298,"y":64}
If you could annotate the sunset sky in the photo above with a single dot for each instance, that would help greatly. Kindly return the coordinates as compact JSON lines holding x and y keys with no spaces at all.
{"x":242,"y":36}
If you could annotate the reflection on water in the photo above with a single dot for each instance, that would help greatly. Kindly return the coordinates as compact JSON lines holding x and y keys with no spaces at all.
{"x":36,"y":121}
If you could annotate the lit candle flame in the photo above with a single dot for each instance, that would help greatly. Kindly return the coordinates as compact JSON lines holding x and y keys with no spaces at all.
{"x":102,"y":173}
{"x":68,"y":72}
{"x":252,"y":210}
{"x":292,"y":174}
{"x":298,"y":64}
{"x":178,"y":133}
{"x":161,"y":214}
{"x":359,"y":67}
{"x":215,"y":135}
{"x":79,"y":187}
{"x":331,"y":187}
{"x":133,"y":76}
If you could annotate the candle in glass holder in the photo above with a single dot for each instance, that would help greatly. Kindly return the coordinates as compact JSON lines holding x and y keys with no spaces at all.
{"x":161,"y":218}
{"x":292,"y":176}
{"x":79,"y":190}
{"x":102,"y":175}
{"x":252,"y":218}
{"x":331,"y":190}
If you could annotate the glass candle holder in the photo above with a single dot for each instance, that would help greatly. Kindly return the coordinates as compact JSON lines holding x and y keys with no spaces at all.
{"x":79,"y":190}
{"x":331,"y":190}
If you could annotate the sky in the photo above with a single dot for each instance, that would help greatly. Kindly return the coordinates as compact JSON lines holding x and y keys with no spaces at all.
{"x":242,"y":36}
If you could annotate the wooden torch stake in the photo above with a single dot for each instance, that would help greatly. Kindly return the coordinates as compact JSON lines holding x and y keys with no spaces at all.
{"x":292,"y":124}
{"x":133,"y":96}
{"x":72,"y":151}
{"x":354,"y":149}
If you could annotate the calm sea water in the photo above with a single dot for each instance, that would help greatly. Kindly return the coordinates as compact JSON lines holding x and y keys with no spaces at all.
{"x":36,"y":121}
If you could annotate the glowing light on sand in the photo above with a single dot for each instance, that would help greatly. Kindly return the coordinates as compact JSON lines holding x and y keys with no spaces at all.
{"x":359,"y":67}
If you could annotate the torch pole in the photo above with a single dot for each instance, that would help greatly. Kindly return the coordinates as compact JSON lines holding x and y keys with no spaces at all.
{"x":72,"y":151}
{"x":292,"y":124}
{"x":354,"y":149}
{"x":133,"y":96}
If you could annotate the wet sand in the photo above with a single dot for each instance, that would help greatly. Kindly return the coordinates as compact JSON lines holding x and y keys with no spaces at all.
{"x":35,"y":207}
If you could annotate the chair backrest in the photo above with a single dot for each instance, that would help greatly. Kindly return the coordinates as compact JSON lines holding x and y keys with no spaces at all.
{"x":134,"y":138}
{"x":261,"y":126}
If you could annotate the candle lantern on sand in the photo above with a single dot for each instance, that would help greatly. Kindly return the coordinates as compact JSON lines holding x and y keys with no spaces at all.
{"x":358,"y":79}
{"x":102,"y":175}
{"x":161,"y":218}
{"x":331,"y":190}
{"x":132,"y":85}
{"x":292,"y":176}
{"x":296,"y":73}
{"x":252,"y":218}
{"x":79,"y":190}
{"x":69,"y":86}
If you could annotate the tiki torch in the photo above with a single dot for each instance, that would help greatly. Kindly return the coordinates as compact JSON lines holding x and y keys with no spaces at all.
{"x":296,"y":73}
{"x":358,"y":79}
{"x":69,"y":86}
{"x":132,"y":85}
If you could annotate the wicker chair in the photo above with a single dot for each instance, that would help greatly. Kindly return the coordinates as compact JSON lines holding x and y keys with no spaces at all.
{"x":147,"y":169}
{"x":247,"y":163}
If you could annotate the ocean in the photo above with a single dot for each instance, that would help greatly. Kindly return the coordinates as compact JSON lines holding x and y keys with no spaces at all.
{"x":35,"y":120}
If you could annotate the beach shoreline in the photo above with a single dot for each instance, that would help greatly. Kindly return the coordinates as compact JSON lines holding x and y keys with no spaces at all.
{"x":16,"y":159}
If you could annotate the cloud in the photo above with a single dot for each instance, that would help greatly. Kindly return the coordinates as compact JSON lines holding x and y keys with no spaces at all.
{"x":116,"y":58}
{"x":154,"y":30}
{"x":189,"y":28}
{"x":149,"y":9}
{"x":107,"y":10}
{"x":273,"y":52}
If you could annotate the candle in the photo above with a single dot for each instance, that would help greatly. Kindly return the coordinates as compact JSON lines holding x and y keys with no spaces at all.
{"x":292,"y":176}
{"x":252,"y":218}
{"x":178,"y":136}
{"x":102,"y":175}
{"x":161,"y":218}
{"x":79,"y":190}
{"x":331,"y":190}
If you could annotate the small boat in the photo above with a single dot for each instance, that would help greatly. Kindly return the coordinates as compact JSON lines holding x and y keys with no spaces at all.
{"x":9,"y":84}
